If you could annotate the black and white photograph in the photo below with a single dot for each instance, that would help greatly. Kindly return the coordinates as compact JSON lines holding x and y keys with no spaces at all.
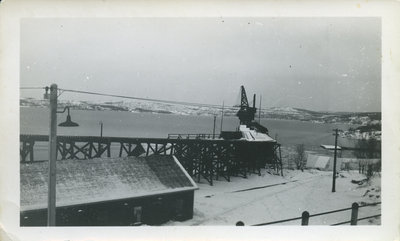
{"x":160,"y":121}
{"x":198,"y":121}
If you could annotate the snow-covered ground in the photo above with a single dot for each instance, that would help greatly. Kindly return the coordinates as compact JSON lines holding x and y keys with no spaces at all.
{"x":285,"y":197}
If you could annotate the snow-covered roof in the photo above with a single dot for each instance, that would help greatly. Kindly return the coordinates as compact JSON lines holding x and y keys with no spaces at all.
{"x":252,"y":135}
{"x":102,"y":179}
{"x":331,"y":147}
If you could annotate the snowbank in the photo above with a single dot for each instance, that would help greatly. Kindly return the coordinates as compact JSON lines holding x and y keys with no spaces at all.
{"x":266,"y":198}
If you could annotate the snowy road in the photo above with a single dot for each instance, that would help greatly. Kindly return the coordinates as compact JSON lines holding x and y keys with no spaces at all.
{"x":276,"y":198}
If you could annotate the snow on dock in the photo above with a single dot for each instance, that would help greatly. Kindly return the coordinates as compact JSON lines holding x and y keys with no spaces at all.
{"x":252,"y":135}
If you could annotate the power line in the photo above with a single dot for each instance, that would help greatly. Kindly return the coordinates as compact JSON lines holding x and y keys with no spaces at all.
{"x":31,"y":88}
{"x":140,"y":98}
{"x":126,"y":97}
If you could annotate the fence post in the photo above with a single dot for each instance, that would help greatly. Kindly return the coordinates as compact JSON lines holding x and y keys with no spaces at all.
{"x":354,"y":214}
{"x":240,"y":223}
{"x":304,"y":218}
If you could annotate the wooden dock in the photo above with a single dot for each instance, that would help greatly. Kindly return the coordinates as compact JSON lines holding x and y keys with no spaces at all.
{"x":208,"y":159}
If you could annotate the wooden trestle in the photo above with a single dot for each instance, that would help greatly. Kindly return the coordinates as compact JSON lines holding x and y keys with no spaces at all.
{"x":202,"y":158}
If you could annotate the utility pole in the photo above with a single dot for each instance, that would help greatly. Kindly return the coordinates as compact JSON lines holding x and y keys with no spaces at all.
{"x":51,"y":201}
{"x":259,"y":111}
{"x":215,"y":118}
{"x":334,"y":163}
{"x":222,"y":115}
{"x":101,"y":129}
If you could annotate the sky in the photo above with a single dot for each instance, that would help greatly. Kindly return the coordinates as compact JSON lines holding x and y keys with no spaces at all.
{"x":322,"y":64}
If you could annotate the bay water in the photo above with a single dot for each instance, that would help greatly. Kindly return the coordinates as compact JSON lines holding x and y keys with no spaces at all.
{"x":35,"y":120}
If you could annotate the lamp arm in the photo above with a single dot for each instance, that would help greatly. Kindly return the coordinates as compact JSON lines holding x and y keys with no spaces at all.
{"x":65,"y":108}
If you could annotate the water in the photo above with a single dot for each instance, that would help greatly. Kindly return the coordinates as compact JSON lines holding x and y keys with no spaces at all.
{"x":34,"y":120}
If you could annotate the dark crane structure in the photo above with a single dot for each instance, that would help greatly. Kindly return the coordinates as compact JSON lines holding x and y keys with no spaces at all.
{"x":246,"y":113}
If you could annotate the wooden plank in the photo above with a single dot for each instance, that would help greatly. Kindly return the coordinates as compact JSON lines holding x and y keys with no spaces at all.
{"x":121,"y":146}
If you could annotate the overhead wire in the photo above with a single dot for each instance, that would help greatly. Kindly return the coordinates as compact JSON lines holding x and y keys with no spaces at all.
{"x":143,"y":99}
{"x":131,"y":97}
{"x":31,"y":88}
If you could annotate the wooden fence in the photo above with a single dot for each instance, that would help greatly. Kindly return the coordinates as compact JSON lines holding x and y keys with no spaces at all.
{"x":305,"y":216}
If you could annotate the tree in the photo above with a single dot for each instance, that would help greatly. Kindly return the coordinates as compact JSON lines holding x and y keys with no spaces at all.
{"x":368,"y":149}
{"x":300,"y":157}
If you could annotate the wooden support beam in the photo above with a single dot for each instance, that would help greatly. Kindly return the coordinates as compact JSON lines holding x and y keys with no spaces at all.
{"x":147,"y":149}
{"x":91,"y":149}
{"x":81,"y":150}
{"x":60,"y":150}
{"x":121,"y":148}
{"x":109,"y":149}
{"x":31,"y":143}
{"x":124,"y":148}
{"x":24,"y":152}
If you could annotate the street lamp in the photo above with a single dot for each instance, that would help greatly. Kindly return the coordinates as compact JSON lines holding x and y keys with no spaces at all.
{"x":51,"y":201}
{"x":68,"y":122}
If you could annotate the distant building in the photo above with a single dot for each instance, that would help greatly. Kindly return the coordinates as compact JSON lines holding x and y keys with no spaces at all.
{"x":109,"y":192}
{"x":325,"y":163}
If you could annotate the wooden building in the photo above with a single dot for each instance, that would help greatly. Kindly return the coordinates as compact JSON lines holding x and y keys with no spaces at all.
{"x":108,"y":192}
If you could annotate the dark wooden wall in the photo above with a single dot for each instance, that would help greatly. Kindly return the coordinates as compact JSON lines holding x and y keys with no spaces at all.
{"x":156,"y":210}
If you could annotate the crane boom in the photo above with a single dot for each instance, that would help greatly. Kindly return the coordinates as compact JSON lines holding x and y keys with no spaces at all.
{"x":246,"y":113}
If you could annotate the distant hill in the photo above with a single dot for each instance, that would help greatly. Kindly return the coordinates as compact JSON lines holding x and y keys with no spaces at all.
{"x":286,"y":113}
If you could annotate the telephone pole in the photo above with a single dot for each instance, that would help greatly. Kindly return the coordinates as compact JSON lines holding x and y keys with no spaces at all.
{"x":222,"y":115}
{"x":334,"y":162}
{"x":259,"y":112}
{"x":51,"y":200}
{"x":215,"y":118}
{"x":101,"y":128}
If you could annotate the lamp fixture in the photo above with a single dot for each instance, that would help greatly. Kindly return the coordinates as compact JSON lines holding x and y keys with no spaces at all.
{"x":68,"y":122}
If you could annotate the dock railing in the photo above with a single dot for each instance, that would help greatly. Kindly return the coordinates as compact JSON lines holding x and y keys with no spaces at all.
{"x":305,"y":216}
{"x":193,"y":136}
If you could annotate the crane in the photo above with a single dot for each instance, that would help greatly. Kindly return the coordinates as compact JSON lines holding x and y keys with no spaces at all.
{"x":246,"y":113}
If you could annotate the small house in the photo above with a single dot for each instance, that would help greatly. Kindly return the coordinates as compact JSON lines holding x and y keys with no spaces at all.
{"x":108,"y":192}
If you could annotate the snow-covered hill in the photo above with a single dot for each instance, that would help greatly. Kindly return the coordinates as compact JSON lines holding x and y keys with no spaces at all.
{"x":287,"y":113}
